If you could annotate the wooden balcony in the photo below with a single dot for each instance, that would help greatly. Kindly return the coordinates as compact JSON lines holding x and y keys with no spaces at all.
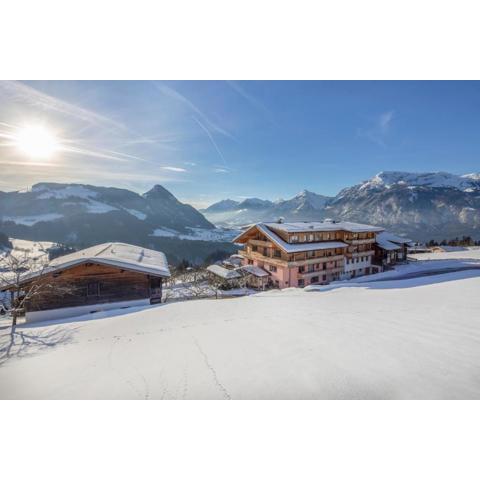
{"x":319,"y":273}
{"x":262,"y":258}
{"x":360,"y":254}
{"x":360,"y":242}
{"x":260,"y":243}
{"x":308,"y":261}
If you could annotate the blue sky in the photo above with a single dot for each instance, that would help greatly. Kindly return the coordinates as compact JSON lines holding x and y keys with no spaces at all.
{"x":206,"y":141}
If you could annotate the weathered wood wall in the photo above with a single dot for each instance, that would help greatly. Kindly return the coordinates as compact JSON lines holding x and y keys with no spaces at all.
{"x":114,"y":285}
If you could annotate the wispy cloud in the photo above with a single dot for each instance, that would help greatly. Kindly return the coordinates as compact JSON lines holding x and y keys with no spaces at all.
{"x":381,"y":127}
{"x":170,"y":92}
{"x":210,"y":136}
{"x":385,"y":120}
{"x":221,"y":170}
{"x":174,"y":169}
{"x":253,"y":101}
{"x":18,"y":91}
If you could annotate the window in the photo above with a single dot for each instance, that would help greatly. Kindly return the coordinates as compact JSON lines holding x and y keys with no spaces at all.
{"x":310,"y":237}
{"x":277,"y":253}
{"x":250,"y":262}
{"x":93,"y":289}
{"x":294,"y":238}
{"x":254,"y":248}
{"x":311,"y":253}
{"x":301,"y":269}
{"x":301,"y":282}
{"x":314,"y":280}
{"x":272,"y":268}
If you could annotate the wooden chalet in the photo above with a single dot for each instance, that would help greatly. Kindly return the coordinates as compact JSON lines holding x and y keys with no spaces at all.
{"x":107,"y":276}
{"x":298,"y":254}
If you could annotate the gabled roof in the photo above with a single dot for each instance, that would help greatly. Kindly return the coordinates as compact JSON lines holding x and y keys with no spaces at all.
{"x":291,"y":247}
{"x":325,"y":226}
{"x":254,"y":270}
{"x":223,"y":272}
{"x":391,"y":237}
{"x":121,"y":255}
{"x":386,"y":245}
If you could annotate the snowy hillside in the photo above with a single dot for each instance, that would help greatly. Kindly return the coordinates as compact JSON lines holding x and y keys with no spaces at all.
{"x":34,"y":250}
{"x":86,"y":215}
{"x":467,"y":182}
{"x":388,"y":339}
{"x":68,"y":211}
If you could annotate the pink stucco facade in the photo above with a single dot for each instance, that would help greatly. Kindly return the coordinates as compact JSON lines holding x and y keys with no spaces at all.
{"x":286,"y":277}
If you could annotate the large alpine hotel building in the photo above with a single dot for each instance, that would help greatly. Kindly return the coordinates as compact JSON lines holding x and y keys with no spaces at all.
{"x":303,"y":253}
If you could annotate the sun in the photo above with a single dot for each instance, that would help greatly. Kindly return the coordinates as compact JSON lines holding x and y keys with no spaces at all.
{"x":36,"y":142}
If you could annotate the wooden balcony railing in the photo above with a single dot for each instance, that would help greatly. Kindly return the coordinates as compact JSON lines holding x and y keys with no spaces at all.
{"x":261,"y":243}
{"x":360,"y":241}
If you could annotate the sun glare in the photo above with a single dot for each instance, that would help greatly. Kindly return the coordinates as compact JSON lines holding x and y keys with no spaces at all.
{"x":36,"y":142}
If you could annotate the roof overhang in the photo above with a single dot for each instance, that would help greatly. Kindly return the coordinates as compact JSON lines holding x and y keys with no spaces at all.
{"x":29,"y":277}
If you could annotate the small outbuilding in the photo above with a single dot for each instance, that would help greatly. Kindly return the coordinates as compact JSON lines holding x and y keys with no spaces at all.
{"x":256,"y":277}
{"x":102,"y":277}
{"x":391,"y":249}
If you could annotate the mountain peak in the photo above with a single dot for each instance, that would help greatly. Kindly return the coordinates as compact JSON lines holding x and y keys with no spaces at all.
{"x":160,"y":193}
{"x":304,"y":193}
{"x":388,"y":179}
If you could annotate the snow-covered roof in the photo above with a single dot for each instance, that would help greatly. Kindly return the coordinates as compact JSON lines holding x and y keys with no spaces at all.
{"x":294,"y":247}
{"x":391,"y":237}
{"x":325,"y":226}
{"x":122,"y":255}
{"x":387,"y":245}
{"x":223,"y":272}
{"x":254,"y":270}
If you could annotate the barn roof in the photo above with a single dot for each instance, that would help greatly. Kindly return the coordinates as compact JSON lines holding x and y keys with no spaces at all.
{"x":121,"y":255}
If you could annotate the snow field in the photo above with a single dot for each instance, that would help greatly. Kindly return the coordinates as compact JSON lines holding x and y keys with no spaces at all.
{"x":417,"y":338}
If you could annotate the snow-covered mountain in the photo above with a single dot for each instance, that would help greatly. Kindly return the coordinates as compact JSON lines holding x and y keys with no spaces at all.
{"x":83,"y":215}
{"x":301,"y":206}
{"x":469,"y":182}
{"x":222,"y":206}
{"x":422,"y":205}
{"x":302,"y":202}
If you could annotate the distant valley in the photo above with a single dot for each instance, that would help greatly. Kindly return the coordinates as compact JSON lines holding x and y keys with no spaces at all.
{"x":83,"y":215}
{"x":422,"y":206}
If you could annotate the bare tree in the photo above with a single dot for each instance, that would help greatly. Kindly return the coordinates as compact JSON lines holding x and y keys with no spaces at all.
{"x":27,"y":280}
{"x":191,"y":282}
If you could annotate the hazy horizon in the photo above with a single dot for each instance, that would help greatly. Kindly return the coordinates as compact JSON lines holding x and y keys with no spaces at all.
{"x":210,"y":140}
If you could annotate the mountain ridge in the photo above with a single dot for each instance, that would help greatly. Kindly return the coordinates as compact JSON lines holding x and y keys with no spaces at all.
{"x":424,"y":205}
{"x":83,"y":215}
